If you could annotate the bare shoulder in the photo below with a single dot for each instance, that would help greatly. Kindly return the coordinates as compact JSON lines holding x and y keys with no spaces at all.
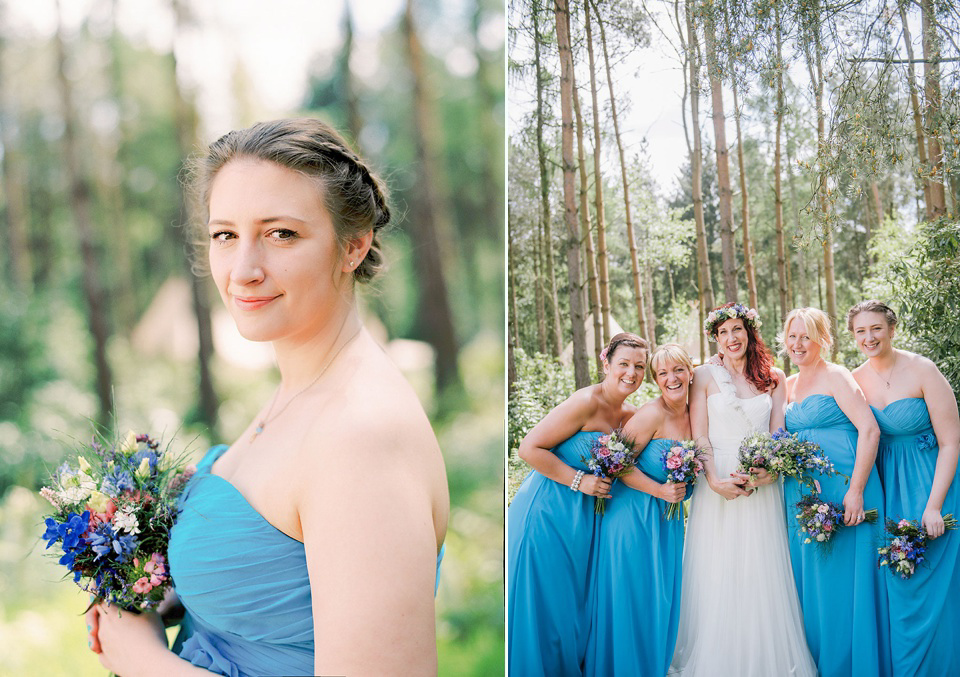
{"x":702,"y":376}
{"x":372,"y":422}
{"x":923,"y":366}
{"x":649,"y":413}
{"x":840,"y":379}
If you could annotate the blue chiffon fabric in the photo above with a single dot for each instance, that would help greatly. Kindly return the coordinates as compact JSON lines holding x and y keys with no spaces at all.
{"x":636,"y":607}
{"x":924,"y":609}
{"x":551,"y":538}
{"x":842,"y":591}
{"x":243,"y":582}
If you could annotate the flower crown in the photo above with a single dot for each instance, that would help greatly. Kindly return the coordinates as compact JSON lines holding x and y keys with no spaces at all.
{"x":717,"y":317}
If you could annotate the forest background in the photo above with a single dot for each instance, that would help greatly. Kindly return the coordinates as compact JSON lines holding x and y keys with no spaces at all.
{"x":102,"y":320}
{"x":819,"y":166}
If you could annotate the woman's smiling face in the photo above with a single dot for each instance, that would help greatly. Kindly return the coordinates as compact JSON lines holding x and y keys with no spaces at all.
{"x":274,"y":255}
{"x":732,"y":338}
{"x":673,"y":379}
{"x":625,"y":368}
{"x":872,"y":333}
{"x":800,"y":347}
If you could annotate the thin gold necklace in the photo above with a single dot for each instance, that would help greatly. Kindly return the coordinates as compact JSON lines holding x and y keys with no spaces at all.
{"x":267,"y":417}
{"x":894,"y":366}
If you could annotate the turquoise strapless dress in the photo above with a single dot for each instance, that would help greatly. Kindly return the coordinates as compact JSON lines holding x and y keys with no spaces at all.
{"x":551,"y":537}
{"x":925,"y":609}
{"x":636,"y":608}
{"x":842,"y":591}
{"x":243,"y":582}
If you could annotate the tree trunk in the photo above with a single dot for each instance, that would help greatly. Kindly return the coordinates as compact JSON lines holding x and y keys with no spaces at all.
{"x":778,"y":191}
{"x":581,"y":371}
{"x":432,"y":231}
{"x":14,"y":188}
{"x":80,"y":206}
{"x":124,"y":283}
{"x":513,"y":329}
{"x":631,"y":238}
{"x":593,"y":290}
{"x":937,"y":200}
{"x":914,"y":99}
{"x":749,"y":272}
{"x":556,"y":335}
{"x":725,"y":193}
{"x":704,"y":282}
{"x":603,"y":271}
{"x":185,"y":120}
{"x":815,"y":65}
{"x":490,"y":131}
{"x":350,"y":104}
{"x":648,"y":301}
{"x":804,"y":283}
{"x":538,"y":292}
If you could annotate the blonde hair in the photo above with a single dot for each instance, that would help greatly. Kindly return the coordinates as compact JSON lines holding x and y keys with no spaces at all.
{"x":818,"y":327}
{"x":669,"y":351}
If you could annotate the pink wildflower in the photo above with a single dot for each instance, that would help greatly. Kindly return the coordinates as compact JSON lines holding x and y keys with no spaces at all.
{"x":142,"y":586}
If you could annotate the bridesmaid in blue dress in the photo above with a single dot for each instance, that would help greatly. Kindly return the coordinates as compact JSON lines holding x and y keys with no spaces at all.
{"x":551,"y":525}
{"x":310,"y":545}
{"x":919,"y":444}
{"x":842,"y":592}
{"x":636,"y":605}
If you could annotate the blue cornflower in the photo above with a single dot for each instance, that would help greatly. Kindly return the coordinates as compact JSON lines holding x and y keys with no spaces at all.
{"x":105,"y":540}
{"x":118,"y":480}
{"x":71,"y":534}
{"x":52,"y":534}
{"x":148,"y":454}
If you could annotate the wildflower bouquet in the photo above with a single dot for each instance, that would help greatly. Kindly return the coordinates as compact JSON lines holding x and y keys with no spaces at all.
{"x":907,"y":541}
{"x":112,"y":519}
{"x":785,"y":454}
{"x":820,"y":519}
{"x":683,"y":462}
{"x":610,"y":456}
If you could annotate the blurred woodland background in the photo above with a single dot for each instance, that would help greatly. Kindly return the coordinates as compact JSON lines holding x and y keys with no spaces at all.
{"x":101,"y":319}
{"x":818,"y":166}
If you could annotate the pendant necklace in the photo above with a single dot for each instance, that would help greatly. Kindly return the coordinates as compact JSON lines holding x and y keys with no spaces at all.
{"x":887,"y":379}
{"x":267,"y":417}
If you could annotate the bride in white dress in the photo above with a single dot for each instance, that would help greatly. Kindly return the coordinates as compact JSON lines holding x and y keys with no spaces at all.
{"x":739,"y":613}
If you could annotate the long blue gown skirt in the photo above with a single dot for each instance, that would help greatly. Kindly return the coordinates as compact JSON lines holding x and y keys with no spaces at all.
{"x":636,"y":606}
{"x":243,"y":582}
{"x":552,"y":530}
{"x":924,"y":609}
{"x":842,"y":591}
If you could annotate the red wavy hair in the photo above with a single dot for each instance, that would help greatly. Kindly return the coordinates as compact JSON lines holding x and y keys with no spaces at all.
{"x":759,"y":370}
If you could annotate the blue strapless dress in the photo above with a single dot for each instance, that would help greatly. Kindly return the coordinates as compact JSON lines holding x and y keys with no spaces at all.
{"x":842,"y":591}
{"x":636,"y":607}
{"x":551,"y":538}
{"x":925,"y":609}
{"x":243,"y":582}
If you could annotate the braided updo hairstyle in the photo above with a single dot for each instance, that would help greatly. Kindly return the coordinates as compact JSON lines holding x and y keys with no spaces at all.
{"x":353,"y":195}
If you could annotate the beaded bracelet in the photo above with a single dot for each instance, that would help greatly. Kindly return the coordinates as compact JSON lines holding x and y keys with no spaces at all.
{"x":575,"y":485}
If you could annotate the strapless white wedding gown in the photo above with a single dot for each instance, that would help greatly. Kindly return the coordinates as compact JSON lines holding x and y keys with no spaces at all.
{"x":739,"y":612}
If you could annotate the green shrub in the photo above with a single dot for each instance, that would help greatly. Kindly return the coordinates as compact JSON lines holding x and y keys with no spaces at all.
{"x":927,"y":283}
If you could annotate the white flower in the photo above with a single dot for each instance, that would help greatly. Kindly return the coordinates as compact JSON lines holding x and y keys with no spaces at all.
{"x":821,"y":537}
{"x":127,"y":521}
{"x":144,"y":469}
{"x":129,"y":444}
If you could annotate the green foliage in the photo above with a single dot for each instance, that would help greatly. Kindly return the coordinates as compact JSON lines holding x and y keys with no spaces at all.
{"x":928,"y":286}
{"x":542,"y":383}
{"x":23,"y":361}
